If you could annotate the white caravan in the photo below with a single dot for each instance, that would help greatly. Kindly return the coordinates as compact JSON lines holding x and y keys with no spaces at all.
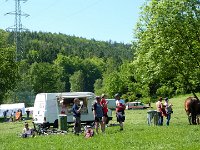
{"x":48,"y":106}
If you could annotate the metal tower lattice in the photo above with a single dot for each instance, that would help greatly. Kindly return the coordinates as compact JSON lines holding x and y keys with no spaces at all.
{"x":18,"y":27}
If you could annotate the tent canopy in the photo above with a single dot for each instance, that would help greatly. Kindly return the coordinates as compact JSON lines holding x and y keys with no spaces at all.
{"x":12,"y":108}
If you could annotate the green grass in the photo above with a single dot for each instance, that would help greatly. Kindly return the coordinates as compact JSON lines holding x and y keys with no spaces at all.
{"x":136,"y":135}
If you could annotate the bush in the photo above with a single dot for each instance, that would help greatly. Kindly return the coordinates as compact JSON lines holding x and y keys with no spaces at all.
{"x":146,"y":100}
{"x":165,"y":91}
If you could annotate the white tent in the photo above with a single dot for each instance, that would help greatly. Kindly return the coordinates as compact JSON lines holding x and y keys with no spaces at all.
{"x":12,"y":107}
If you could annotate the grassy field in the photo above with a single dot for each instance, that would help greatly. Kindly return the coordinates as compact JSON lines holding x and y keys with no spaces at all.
{"x":136,"y":134}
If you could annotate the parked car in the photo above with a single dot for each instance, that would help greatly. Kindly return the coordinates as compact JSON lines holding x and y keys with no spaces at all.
{"x":111,"y":103}
{"x":136,"y":105}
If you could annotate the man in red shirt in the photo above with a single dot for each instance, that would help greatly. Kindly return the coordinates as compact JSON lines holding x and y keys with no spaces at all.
{"x":105,"y":110}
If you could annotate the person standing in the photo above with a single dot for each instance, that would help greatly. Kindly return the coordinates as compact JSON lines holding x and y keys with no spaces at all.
{"x":11,"y":116}
{"x":14,"y":116}
{"x":77,"y":116}
{"x":5,"y":115}
{"x":168,"y":109}
{"x":120,"y":114}
{"x":98,"y":114}
{"x":27,"y":113}
{"x":18,"y":115}
{"x":105,"y":110}
{"x":21,"y":115}
{"x":159,"y":108}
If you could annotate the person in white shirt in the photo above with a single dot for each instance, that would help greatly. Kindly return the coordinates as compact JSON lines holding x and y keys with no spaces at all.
{"x":168,"y":109}
{"x":159,"y":108}
{"x":27,"y":132}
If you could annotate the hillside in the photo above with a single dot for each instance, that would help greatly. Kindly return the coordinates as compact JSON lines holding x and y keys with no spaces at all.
{"x":49,"y":45}
{"x":50,"y":62}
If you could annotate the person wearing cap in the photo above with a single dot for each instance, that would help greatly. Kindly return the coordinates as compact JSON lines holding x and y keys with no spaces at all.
{"x":98,"y":114}
{"x":168,"y":109}
{"x":120,"y":107}
{"x":77,"y":116}
{"x":105,"y":109}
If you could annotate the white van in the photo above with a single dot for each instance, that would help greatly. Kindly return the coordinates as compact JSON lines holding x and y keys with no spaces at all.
{"x":47,"y":107}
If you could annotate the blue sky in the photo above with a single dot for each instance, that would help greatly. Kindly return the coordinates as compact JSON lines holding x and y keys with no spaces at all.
{"x":99,"y":19}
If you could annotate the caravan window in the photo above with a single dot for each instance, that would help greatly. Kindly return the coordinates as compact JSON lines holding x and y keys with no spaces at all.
{"x":69,"y":102}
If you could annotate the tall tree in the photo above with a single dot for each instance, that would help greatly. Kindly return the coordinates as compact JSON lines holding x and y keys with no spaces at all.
{"x":77,"y":82}
{"x":46,"y":77}
{"x":8,"y":66}
{"x":169,"y":42}
{"x":113,"y":83}
{"x":69,"y":65}
{"x":23,"y":91}
{"x":91,"y":72}
{"x":98,"y":87}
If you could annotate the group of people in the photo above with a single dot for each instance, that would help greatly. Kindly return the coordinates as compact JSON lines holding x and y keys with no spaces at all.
{"x":164,"y":110}
{"x":100,"y":111}
{"x":14,"y":115}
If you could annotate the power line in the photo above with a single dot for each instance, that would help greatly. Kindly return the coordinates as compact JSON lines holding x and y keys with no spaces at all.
{"x":18,"y":27}
{"x":80,"y":10}
{"x":83,"y":9}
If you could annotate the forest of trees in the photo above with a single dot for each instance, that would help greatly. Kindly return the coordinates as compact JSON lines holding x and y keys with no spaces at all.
{"x":164,"y":61}
{"x":59,"y":63}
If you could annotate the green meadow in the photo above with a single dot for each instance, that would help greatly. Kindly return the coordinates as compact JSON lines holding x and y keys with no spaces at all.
{"x":136,"y":134}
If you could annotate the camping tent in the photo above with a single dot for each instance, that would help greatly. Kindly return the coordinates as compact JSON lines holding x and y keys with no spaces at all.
{"x":12,"y":107}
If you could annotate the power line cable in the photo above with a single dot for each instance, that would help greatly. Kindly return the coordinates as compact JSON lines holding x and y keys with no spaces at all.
{"x":46,"y":8}
{"x":83,"y":9}
{"x":54,"y":3}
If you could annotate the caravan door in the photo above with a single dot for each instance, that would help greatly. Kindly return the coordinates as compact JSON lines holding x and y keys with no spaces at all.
{"x":45,"y":108}
{"x":39,"y":108}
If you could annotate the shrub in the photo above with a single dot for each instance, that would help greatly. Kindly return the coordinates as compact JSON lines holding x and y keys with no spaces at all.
{"x":165,"y":91}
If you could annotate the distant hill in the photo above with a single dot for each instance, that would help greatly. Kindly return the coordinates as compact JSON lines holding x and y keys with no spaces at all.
{"x":48,"y":45}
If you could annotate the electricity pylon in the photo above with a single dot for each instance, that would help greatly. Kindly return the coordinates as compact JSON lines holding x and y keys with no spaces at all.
{"x":18,"y":27}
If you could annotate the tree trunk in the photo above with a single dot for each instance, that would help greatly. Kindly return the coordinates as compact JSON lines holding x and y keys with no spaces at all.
{"x":191,"y":89}
{"x":195,"y":94}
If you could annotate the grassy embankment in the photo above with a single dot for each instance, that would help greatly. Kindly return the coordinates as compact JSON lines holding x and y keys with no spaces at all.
{"x":136,"y":135}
